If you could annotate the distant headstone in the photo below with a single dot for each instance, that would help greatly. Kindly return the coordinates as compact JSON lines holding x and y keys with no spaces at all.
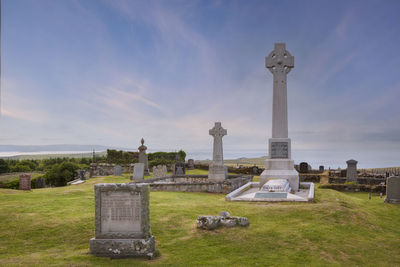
{"x":217,"y":171}
{"x":82,"y":174}
{"x":25,"y":182}
{"x":179,"y":168}
{"x":255,"y":170}
{"x":40,"y":183}
{"x":351,"y":173}
{"x":304,"y":167}
{"x":143,"y":157}
{"x":117,"y":170}
{"x":190,"y":164}
{"x":321,"y":168}
{"x":122,"y":221}
{"x":138,"y":171}
{"x":393,"y":190}
{"x":159,"y":171}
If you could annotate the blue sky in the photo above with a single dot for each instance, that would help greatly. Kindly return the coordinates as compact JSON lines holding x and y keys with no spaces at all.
{"x":110,"y":72}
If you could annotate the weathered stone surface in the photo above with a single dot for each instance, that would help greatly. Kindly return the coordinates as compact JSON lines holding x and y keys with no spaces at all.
{"x":122,"y":221}
{"x":104,"y":169}
{"x":179,"y":169}
{"x":138,"y":171}
{"x":117,"y":170}
{"x":351,"y":172}
{"x":159,"y":171}
{"x":190,"y":164}
{"x":210,"y":222}
{"x":25,"y":182}
{"x":279,"y":164}
{"x":143,"y":158}
{"x":393,"y":190}
{"x":82,"y":174}
{"x":217,"y":171}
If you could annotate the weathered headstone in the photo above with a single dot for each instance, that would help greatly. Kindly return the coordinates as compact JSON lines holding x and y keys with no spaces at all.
{"x":82,"y":174}
{"x":143,"y":157}
{"x":24,"y":182}
{"x":279,"y":165}
{"x":393,"y":190}
{"x":190,"y":164}
{"x":321,"y":168}
{"x":217,"y":171}
{"x":255,"y":170}
{"x":138,"y":171}
{"x":122,"y":221}
{"x":117,"y":170}
{"x":159,"y":171}
{"x":40,"y":183}
{"x":179,"y":169}
{"x":304,"y":167}
{"x":351,"y":173}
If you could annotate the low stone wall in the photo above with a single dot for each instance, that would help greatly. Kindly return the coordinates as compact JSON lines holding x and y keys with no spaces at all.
{"x":360,"y":180}
{"x":243,"y":170}
{"x":313,"y":178}
{"x":356,"y":187}
{"x":197,"y":183}
{"x":105,"y":169}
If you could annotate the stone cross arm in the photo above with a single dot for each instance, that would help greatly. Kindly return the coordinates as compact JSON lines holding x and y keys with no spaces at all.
{"x":279,"y":59}
{"x":218,"y":130}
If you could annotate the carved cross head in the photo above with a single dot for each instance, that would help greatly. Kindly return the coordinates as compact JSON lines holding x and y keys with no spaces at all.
{"x":279,"y":60}
{"x":218,"y":131}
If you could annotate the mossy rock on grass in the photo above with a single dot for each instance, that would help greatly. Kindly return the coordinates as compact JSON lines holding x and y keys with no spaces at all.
{"x":52,"y":227}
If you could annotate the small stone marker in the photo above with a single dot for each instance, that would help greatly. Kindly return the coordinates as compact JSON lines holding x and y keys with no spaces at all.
{"x":25,"y":182}
{"x":180,"y":168}
{"x":138,"y":171}
{"x":40,"y":183}
{"x":255,"y":170}
{"x":190,"y":164}
{"x":122,"y":221}
{"x":304,"y":167}
{"x":159,"y":171}
{"x":393,"y":190}
{"x":117,"y":170}
{"x":321,"y":168}
{"x":209,"y":222}
{"x":351,"y":173}
{"x":82,"y":175}
{"x":217,"y":171}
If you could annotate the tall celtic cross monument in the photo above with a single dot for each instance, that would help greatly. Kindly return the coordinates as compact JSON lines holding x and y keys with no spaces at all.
{"x":217,"y":171}
{"x":279,"y":165}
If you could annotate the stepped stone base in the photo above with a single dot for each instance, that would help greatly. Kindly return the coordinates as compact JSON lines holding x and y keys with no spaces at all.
{"x":123,"y":248}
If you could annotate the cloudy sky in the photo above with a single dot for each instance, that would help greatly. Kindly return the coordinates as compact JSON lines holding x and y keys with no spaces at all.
{"x":110,"y":72}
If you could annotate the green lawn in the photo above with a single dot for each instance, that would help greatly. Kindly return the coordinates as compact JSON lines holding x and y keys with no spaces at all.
{"x":53,"y":226}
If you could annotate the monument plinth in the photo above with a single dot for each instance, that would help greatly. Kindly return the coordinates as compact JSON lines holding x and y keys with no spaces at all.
{"x":279,"y":165}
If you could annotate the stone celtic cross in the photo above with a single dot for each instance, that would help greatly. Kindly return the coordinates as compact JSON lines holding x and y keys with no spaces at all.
{"x":218,"y":132}
{"x":279,"y":62}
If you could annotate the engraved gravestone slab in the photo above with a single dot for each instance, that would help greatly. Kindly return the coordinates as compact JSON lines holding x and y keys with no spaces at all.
{"x":122,"y":221}
{"x":393,"y":190}
{"x":279,"y":150}
{"x":25,"y":182}
{"x":120,"y":212}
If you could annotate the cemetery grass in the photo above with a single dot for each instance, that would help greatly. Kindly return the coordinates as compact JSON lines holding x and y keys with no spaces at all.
{"x":52,"y":227}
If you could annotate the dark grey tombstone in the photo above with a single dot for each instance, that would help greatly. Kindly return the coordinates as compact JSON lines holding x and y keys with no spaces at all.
{"x":255,"y":170}
{"x":122,"y":221}
{"x":351,"y":173}
{"x":190,"y":164}
{"x":40,"y":183}
{"x":321,"y":168}
{"x":179,"y":168}
{"x":303,"y":167}
{"x":82,"y":174}
{"x":393,"y":190}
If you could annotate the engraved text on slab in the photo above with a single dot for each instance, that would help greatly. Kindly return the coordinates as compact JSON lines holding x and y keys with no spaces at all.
{"x":120,"y":212}
{"x":279,"y":150}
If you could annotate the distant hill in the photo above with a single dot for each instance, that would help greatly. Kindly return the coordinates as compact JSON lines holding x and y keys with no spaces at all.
{"x":60,"y":147}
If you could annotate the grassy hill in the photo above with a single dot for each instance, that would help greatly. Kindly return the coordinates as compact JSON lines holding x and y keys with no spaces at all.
{"x":52,"y":227}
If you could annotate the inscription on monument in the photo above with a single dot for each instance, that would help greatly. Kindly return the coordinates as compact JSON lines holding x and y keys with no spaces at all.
{"x":120,"y":212}
{"x":279,"y":150}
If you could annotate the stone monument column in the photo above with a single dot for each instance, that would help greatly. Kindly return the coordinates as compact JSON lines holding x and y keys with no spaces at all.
{"x":217,"y":171}
{"x":279,"y":164}
{"x":143,"y":157}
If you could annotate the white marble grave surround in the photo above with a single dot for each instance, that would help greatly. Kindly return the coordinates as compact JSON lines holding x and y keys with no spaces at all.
{"x":279,"y":165}
{"x":217,"y":171}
